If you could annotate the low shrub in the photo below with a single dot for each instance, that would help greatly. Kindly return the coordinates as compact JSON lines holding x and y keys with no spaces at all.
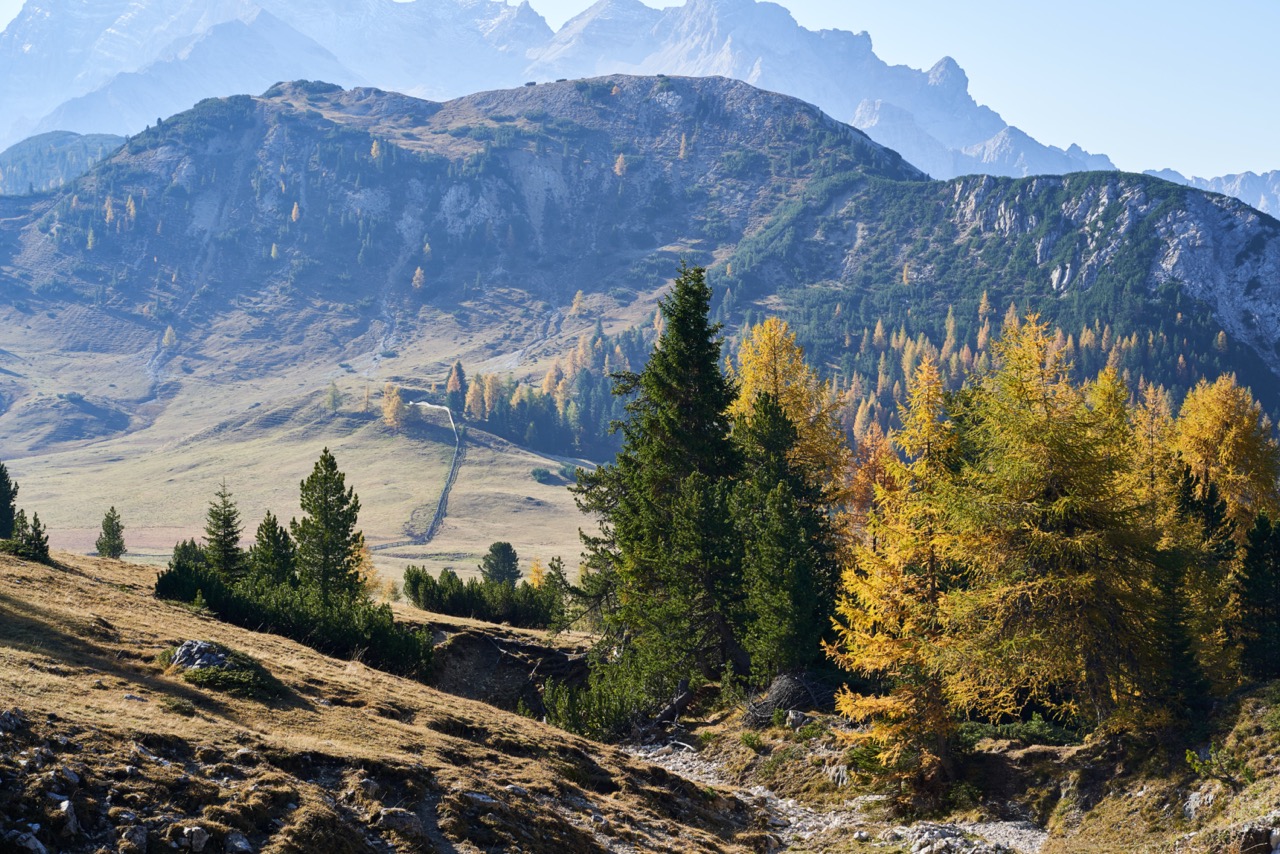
{"x":346,"y":628}
{"x":520,"y":605}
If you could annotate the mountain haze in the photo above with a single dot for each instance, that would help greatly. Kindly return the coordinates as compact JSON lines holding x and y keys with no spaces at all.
{"x":116,"y":66}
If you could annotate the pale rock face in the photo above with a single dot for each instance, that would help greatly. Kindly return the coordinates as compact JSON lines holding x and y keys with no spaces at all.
{"x":1217,"y":260}
{"x":1217,"y":249}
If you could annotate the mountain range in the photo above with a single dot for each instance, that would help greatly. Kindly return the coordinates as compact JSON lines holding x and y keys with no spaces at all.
{"x":114,"y":66}
{"x":185,"y":304}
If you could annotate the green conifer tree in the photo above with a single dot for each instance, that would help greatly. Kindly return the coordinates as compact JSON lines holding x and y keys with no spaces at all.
{"x":501,"y":564}
{"x":272,"y":556}
{"x":111,"y":541}
{"x":222,"y":531}
{"x":456,"y":389}
{"x":327,"y":542}
{"x":1258,"y":594}
{"x":8,"y":503}
{"x":666,"y":572}
{"x":30,"y":539}
{"x":788,"y":562}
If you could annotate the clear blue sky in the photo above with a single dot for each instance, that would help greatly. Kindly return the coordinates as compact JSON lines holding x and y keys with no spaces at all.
{"x":1184,"y":83}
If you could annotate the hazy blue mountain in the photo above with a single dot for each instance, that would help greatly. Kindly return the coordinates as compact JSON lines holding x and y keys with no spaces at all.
{"x":126,"y":62}
{"x":927,"y":116}
{"x":116,"y":65}
{"x":246,"y":54}
{"x":55,"y":50}
{"x":46,"y":162}
{"x":1260,"y":191}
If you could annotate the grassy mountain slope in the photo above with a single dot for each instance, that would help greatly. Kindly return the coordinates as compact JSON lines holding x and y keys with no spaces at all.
{"x":314,"y":769}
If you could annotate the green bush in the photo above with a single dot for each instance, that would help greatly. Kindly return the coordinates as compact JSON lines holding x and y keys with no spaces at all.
{"x":1037,"y":730}
{"x":242,"y":676}
{"x":752,"y":740}
{"x":602,"y":709}
{"x":520,"y":605}
{"x":543,"y":476}
{"x":349,"y":627}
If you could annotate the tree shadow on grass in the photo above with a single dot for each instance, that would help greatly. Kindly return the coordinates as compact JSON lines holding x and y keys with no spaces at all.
{"x":30,"y":628}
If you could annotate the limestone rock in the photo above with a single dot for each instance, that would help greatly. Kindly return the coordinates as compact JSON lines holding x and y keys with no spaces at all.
{"x":236,"y":843}
{"x":195,"y":655}
{"x":401,"y":822}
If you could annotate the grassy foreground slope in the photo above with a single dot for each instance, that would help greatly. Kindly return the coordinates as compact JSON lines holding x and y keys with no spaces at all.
{"x":344,"y":759}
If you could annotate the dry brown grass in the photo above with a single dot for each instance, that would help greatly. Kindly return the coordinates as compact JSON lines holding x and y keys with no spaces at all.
{"x":77,"y":641}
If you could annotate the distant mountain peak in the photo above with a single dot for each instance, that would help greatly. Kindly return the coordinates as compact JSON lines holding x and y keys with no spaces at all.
{"x":947,"y":73}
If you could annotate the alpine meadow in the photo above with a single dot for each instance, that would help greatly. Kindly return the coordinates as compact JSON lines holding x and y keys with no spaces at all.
{"x":423,"y":429}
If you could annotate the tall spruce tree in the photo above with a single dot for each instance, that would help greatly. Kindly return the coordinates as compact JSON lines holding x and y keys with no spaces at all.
{"x":327,"y":542}
{"x":272,"y":556}
{"x":1258,"y":593}
{"x":455,"y":389}
{"x":8,"y":503}
{"x":111,"y":541}
{"x":222,"y":530}
{"x":789,"y":566}
{"x":666,"y":568}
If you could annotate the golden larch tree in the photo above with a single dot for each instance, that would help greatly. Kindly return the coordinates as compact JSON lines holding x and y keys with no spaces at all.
{"x":393,"y":408}
{"x":771,"y":362}
{"x":1226,"y":439}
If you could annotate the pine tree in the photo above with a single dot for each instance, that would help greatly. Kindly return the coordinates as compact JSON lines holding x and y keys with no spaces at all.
{"x":666,"y":570}
{"x":789,"y":566}
{"x":1258,"y":594}
{"x":326,"y":539}
{"x":8,"y":503}
{"x":500,"y":564}
{"x":272,"y":554}
{"x":29,"y":540}
{"x":34,"y":544}
{"x":456,"y":389}
{"x":222,"y":530}
{"x":111,"y":541}
{"x":333,"y":397}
